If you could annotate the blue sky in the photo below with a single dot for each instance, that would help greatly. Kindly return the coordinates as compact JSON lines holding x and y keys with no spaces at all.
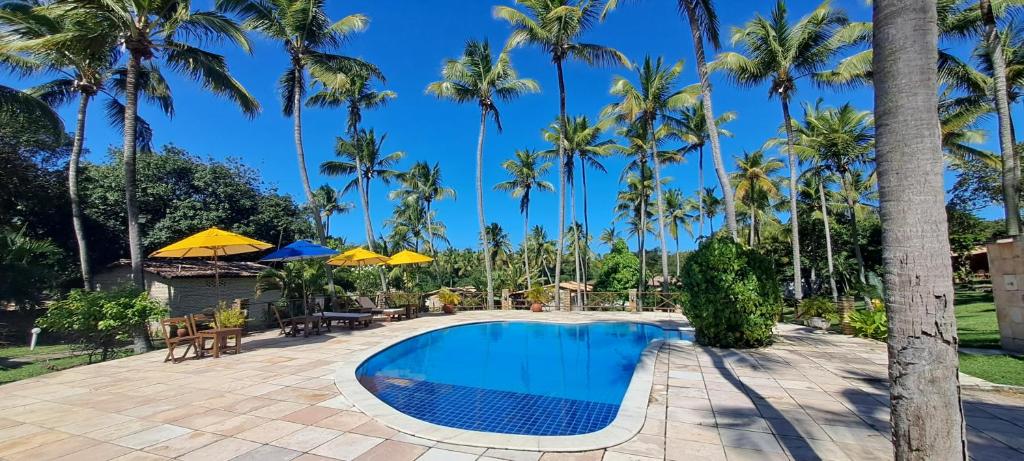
{"x":409,"y":40}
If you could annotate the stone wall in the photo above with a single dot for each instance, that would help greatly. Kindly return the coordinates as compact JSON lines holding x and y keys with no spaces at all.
{"x":1006,"y":263}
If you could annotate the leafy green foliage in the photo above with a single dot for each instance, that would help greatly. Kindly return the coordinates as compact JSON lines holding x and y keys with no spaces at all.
{"x":620,"y":269}
{"x":230,"y":317}
{"x":25,"y":268}
{"x":295,"y":279}
{"x":538,"y":295}
{"x":732,"y":295}
{"x":100,"y":320}
{"x":449,"y":298}
{"x":819,"y":306}
{"x":870,"y":323}
{"x":180,"y":194}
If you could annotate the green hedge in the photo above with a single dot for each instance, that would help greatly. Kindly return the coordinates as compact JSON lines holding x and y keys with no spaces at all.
{"x":732,"y":294}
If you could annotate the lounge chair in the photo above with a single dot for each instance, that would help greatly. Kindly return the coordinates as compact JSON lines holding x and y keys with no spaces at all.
{"x":392,"y":313}
{"x":352,"y":319}
{"x":290,"y":326}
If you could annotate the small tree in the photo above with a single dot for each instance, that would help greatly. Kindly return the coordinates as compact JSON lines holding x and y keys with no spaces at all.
{"x":732,"y":294}
{"x":620,"y":269}
{"x":101,"y":321}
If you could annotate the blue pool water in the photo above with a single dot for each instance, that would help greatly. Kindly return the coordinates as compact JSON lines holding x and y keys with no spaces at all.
{"x":513,"y":377}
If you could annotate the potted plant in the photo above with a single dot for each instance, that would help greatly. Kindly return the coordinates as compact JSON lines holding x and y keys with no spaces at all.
{"x":230,"y":317}
{"x":819,"y":312}
{"x":449,"y":299}
{"x":181,"y":329}
{"x":538,"y":297}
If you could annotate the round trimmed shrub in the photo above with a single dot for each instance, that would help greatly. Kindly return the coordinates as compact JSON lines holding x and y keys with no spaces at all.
{"x":732,"y":295}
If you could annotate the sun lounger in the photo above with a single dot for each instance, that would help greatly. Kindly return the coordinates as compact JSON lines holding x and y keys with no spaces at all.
{"x":350,"y":318}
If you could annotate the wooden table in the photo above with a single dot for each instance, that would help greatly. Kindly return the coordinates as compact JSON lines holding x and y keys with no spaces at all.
{"x":220,"y":340}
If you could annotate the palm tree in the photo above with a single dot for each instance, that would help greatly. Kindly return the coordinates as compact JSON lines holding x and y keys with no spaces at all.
{"x":645,"y":103}
{"x":423,"y":185}
{"x":633,"y":206}
{"x":555,"y":26}
{"x":310,"y":39}
{"x":609,"y":235}
{"x":543,"y":249}
{"x":780,"y":52}
{"x":680,"y":215}
{"x":412,"y":225}
{"x":993,"y":42}
{"x":328,"y":201}
{"x":350,"y":89}
{"x":691,"y":126}
{"x":151,"y":30}
{"x":703,"y":21}
{"x":927,"y":414}
{"x":525,"y":172}
{"x":755,"y":184}
{"x":835,"y":141}
{"x":85,"y":69}
{"x":580,"y":142}
{"x":498,"y":244}
{"x":712,"y":205}
{"x":363,"y":158}
{"x":479,"y":77}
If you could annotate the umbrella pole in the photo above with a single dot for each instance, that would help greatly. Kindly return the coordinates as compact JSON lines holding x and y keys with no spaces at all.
{"x":216,"y":277}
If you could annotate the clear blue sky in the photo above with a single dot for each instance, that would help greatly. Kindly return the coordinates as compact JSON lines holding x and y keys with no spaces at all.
{"x":409,"y":40}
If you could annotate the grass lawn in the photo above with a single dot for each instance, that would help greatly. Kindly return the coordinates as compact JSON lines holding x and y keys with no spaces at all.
{"x":977,"y":327}
{"x":976,"y":320}
{"x":11,"y":370}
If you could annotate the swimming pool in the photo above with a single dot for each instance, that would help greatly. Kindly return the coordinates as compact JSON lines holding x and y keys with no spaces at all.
{"x":527,"y":378}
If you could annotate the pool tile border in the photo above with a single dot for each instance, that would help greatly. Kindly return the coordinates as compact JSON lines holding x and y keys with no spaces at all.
{"x":627,"y":423}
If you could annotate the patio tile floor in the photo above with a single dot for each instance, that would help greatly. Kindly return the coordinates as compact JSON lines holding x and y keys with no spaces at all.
{"x":809,"y":396}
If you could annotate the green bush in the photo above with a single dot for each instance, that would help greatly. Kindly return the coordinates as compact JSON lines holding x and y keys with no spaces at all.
{"x":101,"y":320}
{"x":732,"y":295}
{"x":870,"y":323}
{"x":620,"y":269}
{"x":819,"y":306}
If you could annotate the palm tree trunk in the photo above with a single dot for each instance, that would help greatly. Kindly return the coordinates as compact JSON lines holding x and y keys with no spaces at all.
{"x":586,"y":224}
{"x":140,"y":337}
{"x":300,"y":155}
{"x":661,"y":209}
{"x":641,"y":233}
{"x":561,"y":183}
{"x":1011,"y":185}
{"x":76,"y":208}
{"x":700,"y":189}
{"x":526,"y":241}
{"x":364,"y":200}
{"x":855,"y":236}
{"x":828,"y":242}
{"x":794,"y":221}
{"x":575,"y":240}
{"x":678,"y":266}
{"x":480,"y":209}
{"x":709,"y":118}
{"x":753,"y":221}
{"x":927,"y":414}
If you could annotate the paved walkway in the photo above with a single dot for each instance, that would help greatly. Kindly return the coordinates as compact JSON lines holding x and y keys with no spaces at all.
{"x":810,"y":396}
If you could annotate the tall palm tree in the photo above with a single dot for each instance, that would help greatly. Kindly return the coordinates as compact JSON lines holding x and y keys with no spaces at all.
{"x":609,"y":235}
{"x":482,"y":78}
{"x":927,"y":414}
{"x":152,"y":31}
{"x":835,"y":141}
{"x":754,"y":181}
{"x":412,"y":225}
{"x":363,"y":158}
{"x":498,"y":244}
{"x":777,"y":51}
{"x":329,"y":203}
{"x":580,"y":142}
{"x":423,"y":185}
{"x":633,"y":207}
{"x":525,"y":172}
{"x":680,"y":216}
{"x":703,"y":21}
{"x":555,"y":26}
{"x":691,"y":126}
{"x":645,"y":103}
{"x":311,"y":41}
{"x":85,"y":69}
{"x":712,"y":205}
{"x":993,"y":42}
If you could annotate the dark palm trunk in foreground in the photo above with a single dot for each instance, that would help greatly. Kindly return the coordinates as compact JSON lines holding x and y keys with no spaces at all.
{"x":76,"y":208}
{"x":927,"y":415}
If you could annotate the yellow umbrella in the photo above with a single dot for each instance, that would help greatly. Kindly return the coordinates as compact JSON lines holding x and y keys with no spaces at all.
{"x":211,"y":242}
{"x":408,"y":257}
{"x":358,"y":257}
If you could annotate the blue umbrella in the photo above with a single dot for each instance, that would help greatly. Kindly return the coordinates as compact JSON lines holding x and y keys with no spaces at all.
{"x":301,"y":249}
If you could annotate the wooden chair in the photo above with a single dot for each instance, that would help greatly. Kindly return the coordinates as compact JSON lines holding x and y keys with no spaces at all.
{"x":173,"y":340}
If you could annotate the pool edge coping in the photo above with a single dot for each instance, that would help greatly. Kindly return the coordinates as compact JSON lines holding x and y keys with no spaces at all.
{"x":628,"y":422}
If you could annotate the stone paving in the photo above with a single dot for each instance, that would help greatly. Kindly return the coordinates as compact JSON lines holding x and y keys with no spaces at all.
{"x":810,"y":396}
